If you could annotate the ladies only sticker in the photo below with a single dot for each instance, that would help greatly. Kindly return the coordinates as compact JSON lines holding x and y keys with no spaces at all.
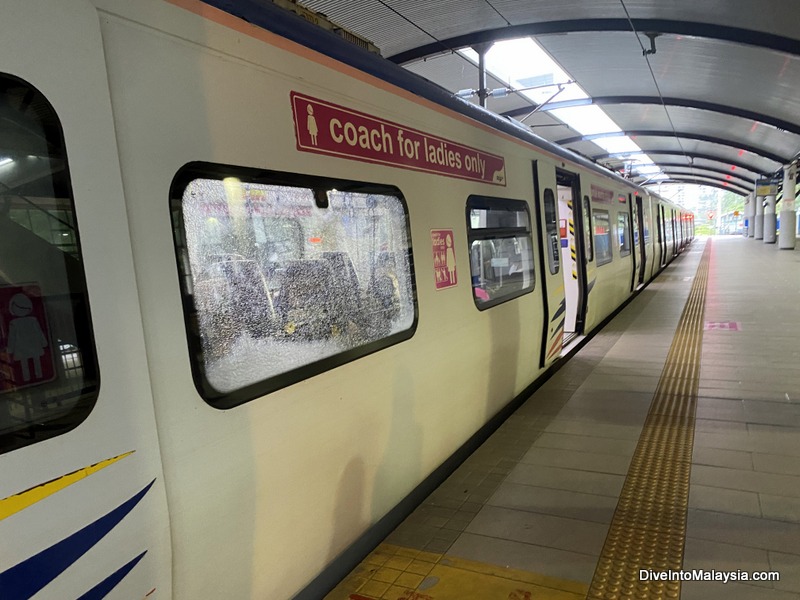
{"x":325,"y":128}
{"x":444,"y":258}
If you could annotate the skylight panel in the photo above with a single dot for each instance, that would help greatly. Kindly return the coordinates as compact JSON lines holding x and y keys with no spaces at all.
{"x":528,"y":69}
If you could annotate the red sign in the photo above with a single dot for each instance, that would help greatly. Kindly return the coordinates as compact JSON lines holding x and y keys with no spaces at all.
{"x":26,"y":356}
{"x":444,"y":258}
{"x":325,"y":128}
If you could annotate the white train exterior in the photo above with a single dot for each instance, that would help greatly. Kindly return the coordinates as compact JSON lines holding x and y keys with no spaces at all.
{"x":254,"y":296}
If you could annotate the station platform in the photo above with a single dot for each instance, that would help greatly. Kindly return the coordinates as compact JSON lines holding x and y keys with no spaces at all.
{"x":669,"y":442}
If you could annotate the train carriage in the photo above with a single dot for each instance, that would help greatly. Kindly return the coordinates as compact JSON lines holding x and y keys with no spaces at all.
{"x":253,"y":295}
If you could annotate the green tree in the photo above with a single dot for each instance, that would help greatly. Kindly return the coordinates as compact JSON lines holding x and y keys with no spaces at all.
{"x":732,"y":202}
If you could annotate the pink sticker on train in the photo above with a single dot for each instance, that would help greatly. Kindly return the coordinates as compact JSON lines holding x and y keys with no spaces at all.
{"x":444,"y":258}
{"x":326,"y":128}
{"x":26,"y":355}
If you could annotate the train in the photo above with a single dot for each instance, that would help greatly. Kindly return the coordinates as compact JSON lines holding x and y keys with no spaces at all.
{"x":258,"y":285}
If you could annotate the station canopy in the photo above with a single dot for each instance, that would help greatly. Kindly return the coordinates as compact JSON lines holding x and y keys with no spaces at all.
{"x":704,"y":92}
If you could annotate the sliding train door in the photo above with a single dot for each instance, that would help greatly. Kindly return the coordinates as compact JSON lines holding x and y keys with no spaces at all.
{"x":662,"y":244}
{"x":639,"y":235}
{"x":572,"y":254}
{"x":562,"y":260}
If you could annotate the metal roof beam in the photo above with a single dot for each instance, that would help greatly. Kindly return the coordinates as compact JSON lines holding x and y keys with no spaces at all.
{"x":698,"y":181}
{"x":673,"y":166}
{"x":712,"y":157}
{"x":737,"y":35}
{"x":709,"y":176}
{"x":679,"y":134}
{"x":669,"y":101}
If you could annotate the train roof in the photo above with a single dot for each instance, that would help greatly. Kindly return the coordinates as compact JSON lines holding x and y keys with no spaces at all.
{"x":270,"y":17}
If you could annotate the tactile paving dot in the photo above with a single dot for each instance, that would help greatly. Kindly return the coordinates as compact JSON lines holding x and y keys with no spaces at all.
{"x":649,"y":525}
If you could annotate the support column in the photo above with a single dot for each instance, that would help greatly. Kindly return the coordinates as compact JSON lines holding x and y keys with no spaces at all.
{"x":750,"y":214}
{"x":787,"y":239}
{"x":758,"y":233}
{"x":770,"y":220}
{"x":483,"y":93}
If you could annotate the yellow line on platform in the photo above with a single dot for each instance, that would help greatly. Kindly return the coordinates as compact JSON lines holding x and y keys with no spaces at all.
{"x":648,"y":529}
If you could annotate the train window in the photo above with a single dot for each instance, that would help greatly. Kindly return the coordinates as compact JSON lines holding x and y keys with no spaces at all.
{"x":286,"y":276}
{"x":602,"y":236}
{"x":587,"y":229}
{"x":48,"y":366}
{"x":668,"y":222}
{"x":501,"y":250}
{"x":624,"y":234}
{"x":553,"y":241}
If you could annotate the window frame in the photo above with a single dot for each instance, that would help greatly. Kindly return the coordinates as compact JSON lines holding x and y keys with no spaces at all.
{"x":601,"y":261}
{"x":89,"y":391}
{"x":622,"y":215}
{"x":205,"y":170}
{"x":477,"y":201}
{"x":552,"y":236}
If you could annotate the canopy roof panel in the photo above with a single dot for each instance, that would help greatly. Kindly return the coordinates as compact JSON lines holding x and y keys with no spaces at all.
{"x":720,"y":90}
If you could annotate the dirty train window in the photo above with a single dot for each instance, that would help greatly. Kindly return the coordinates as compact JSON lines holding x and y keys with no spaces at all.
{"x":287,"y":276}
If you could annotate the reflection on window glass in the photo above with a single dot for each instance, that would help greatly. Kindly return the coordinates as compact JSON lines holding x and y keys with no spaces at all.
{"x":553,"y":241}
{"x":587,"y":229}
{"x":279,"y":277}
{"x":624,"y":234}
{"x":602,"y":236}
{"x":501,"y":252}
{"x":48,"y":371}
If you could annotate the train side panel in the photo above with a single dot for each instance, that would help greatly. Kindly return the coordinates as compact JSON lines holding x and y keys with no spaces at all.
{"x":265,"y":494}
{"x":612,"y":232}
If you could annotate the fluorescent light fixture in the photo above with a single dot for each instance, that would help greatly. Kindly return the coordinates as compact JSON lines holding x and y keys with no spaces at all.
{"x":5,"y":161}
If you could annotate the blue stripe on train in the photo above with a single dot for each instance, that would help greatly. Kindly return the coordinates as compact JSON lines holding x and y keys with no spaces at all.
{"x":25,"y":579}
{"x":102,"y":589}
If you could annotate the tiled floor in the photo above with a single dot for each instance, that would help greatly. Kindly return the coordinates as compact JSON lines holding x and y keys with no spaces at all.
{"x":527,"y":515}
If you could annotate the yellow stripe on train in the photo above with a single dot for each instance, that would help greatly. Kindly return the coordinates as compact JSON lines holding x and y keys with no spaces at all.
{"x":21,"y":501}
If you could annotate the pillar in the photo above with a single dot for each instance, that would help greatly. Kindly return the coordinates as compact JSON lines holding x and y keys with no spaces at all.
{"x":758,"y":232}
{"x":788,"y":218}
{"x":770,"y":220}
{"x":750,"y":214}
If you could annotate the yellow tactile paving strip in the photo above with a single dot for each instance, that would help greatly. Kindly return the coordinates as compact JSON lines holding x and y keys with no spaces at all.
{"x":396,"y":573}
{"x":649,"y":525}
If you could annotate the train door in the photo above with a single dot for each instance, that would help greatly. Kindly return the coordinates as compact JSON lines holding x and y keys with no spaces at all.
{"x":574,"y":266}
{"x":662,"y":234}
{"x":549,"y":246}
{"x":675,"y":239}
{"x":639,"y":238}
{"x":561,"y":258}
{"x":636,"y":261}
{"x":82,"y":495}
